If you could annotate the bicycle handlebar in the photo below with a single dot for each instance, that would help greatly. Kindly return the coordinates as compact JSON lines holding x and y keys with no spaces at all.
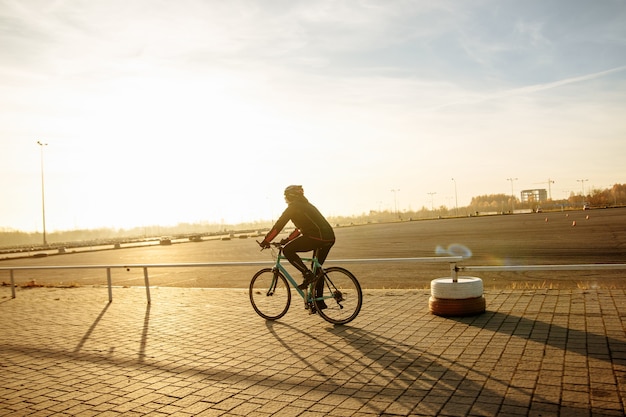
{"x":275,"y":244}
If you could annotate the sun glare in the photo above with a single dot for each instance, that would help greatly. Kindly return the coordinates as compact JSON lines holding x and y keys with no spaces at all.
{"x":153,"y":150}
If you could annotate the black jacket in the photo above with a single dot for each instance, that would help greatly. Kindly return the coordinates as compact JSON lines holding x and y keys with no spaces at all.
{"x":307,"y":219}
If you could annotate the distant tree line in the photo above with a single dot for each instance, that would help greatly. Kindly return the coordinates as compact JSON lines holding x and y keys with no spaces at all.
{"x":501,"y":203}
{"x":611,"y":197}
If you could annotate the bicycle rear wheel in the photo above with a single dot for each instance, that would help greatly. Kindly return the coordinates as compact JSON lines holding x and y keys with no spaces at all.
{"x":269,"y":294}
{"x":341,"y":299}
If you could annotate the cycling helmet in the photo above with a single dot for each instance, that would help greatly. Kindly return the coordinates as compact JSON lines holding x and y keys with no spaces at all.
{"x":294,"y":191}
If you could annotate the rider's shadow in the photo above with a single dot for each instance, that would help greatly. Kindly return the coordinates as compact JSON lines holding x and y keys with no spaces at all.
{"x":391,"y":377}
{"x":409,"y":379}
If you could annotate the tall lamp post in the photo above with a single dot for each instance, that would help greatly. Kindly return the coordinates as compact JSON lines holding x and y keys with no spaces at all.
{"x":512,"y":194}
{"x":43,"y":195}
{"x":582,"y":184}
{"x":432,"y":204}
{"x":456,"y":198}
{"x":550,"y":182}
{"x":395,"y":200}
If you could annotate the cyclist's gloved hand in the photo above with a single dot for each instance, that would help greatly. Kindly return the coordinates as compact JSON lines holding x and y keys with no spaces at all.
{"x":284,"y":241}
{"x":264,"y":245}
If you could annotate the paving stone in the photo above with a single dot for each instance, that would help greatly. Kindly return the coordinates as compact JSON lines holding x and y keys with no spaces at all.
{"x":206,"y":353}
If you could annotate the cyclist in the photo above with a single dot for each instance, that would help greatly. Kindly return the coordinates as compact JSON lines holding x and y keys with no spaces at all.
{"x":313,"y":232}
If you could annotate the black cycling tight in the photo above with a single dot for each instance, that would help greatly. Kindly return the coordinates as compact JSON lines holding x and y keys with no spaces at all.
{"x":305,"y":244}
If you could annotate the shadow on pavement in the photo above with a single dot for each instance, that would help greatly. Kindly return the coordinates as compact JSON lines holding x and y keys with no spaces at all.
{"x":91,"y":329}
{"x":144,"y":335}
{"x":572,"y":340}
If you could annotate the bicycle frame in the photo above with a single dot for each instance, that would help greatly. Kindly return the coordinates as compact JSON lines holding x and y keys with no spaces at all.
{"x":306,"y":295}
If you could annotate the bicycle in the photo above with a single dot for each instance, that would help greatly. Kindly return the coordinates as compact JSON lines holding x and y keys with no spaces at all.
{"x":335,"y":294}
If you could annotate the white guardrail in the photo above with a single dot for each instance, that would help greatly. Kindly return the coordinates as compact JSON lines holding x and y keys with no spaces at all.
{"x":452,"y":260}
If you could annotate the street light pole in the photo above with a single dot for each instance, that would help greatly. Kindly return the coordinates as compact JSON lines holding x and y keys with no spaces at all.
{"x":432,"y":205}
{"x":582,"y":183}
{"x":550,"y":182}
{"x":512,"y":194}
{"x":456,"y":198}
{"x":43,"y":195}
{"x":395,"y":200}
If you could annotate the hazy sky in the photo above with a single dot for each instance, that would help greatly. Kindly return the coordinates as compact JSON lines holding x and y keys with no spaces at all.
{"x":159,"y":112}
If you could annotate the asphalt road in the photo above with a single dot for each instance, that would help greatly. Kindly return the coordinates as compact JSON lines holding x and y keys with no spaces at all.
{"x":574,"y":237}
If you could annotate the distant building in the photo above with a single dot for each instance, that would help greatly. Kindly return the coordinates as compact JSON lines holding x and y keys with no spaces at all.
{"x":536,"y":196}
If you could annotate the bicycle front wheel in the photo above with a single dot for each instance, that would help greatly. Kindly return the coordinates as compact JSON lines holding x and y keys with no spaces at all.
{"x":269,"y":294}
{"x":341,"y":298}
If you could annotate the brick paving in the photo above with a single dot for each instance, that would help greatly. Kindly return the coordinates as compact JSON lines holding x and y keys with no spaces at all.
{"x":204,"y":352}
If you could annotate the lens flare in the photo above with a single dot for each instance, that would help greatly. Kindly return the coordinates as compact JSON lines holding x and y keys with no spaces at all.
{"x":454,"y":249}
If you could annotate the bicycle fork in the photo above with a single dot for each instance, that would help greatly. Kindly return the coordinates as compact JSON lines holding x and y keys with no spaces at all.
{"x":272,"y":287}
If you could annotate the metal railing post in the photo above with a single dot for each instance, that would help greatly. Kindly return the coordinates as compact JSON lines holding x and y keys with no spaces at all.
{"x":454,"y":272}
{"x":12,"y":285}
{"x":147,"y":282}
{"x":109,"y":284}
